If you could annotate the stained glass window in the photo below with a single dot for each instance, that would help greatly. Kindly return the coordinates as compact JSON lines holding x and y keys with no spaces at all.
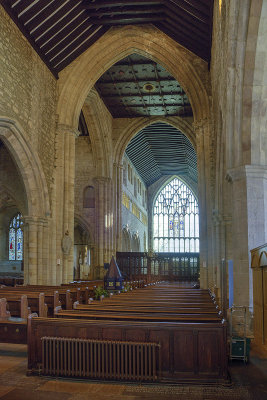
{"x":176,"y":219}
{"x":16,"y":238}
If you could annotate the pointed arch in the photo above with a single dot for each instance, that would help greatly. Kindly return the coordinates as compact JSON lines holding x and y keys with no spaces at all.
{"x":135,"y":125}
{"x":29,"y":165}
{"x":78,"y":78}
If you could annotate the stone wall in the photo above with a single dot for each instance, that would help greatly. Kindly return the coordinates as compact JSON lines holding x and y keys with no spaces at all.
{"x":28,"y":92}
{"x":134,"y":206}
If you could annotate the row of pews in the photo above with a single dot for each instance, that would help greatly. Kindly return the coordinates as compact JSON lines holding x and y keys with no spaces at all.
{"x":17,"y":303}
{"x":160,"y":332}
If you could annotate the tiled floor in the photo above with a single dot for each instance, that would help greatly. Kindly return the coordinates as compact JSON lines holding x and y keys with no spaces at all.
{"x":249,"y":382}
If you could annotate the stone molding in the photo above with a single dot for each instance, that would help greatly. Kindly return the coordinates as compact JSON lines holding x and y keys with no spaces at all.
{"x":29,"y":164}
{"x":63,"y":128}
{"x":246,"y":171}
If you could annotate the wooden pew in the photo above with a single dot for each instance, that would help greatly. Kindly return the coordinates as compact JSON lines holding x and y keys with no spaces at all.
{"x":35,"y":301}
{"x":188,"y":352}
{"x":143,"y":316}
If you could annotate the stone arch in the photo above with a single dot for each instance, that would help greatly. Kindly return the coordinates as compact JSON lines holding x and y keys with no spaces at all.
{"x":79,"y":220}
{"x":164,"y":182}
{"x":99,"y":121}
{"x":76,"y":81}
{"x":29,"y":166}
{"x":137,"y":124}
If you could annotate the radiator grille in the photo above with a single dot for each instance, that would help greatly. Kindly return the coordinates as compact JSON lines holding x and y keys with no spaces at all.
{"x":100,"y":359}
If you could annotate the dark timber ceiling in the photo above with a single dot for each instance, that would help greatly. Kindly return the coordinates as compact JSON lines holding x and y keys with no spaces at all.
{"x":160,"y":149}
{"x":61,"y":30}
{"x":137,"y":86}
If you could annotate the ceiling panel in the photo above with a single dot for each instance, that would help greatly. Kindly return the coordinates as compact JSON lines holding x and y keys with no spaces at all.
{"x":61,"y":30}
{"x":160,"y":149}
{"x":137,"y":86}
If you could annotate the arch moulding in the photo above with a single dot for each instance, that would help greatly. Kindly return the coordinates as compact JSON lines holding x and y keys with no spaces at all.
{"x":137,"y":124}
{"x":29,"y":166}
{"x":78,"y":78}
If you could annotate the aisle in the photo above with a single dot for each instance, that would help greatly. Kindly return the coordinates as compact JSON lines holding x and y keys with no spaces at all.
{"x":15,"y":385}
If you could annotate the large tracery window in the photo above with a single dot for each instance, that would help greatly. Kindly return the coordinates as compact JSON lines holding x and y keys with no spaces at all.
{"x":176,"y":219}
{"x":16,"y":239}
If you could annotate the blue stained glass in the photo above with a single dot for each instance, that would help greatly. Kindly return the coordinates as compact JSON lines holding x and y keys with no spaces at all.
{"x":19,"y":244}
{"x":12,"y":244}
{"x":16,"y":238}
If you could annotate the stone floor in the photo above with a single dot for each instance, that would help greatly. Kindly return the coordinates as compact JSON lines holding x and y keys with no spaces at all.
{"x":249,"y":382}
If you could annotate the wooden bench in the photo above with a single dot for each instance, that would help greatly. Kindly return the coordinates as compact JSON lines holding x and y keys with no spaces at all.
{"x":189,"y":352}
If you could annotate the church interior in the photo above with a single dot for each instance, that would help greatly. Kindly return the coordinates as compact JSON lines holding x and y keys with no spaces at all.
{"x":133,"y":199}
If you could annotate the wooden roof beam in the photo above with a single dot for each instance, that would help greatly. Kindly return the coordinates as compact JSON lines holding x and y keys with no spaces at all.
{"x":126,"y":19}
{"x":24,"y":31}
{"x":187,"y":17}
{"x":183,"y":5}
{"x":80,"y":49}
{"x":183,"y":40}
{"x":126,"y":10}
{"x":113,"y":4}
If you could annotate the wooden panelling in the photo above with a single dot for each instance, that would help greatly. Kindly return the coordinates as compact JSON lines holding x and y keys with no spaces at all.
{"x":174,"y":364}
{"x":259,"y":267}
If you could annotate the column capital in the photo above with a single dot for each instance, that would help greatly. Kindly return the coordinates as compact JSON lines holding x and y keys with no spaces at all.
{"x":68,"y":129}
{"x":118,"y":165}
{"x":30,"y":219}
{"x":246,"y":171}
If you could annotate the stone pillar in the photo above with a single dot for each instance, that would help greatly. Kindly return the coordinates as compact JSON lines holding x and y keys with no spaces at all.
{"x":202,"y":130}
{"x":35,"y":250}
{"x":249,"y":225}
{"x":104,"y":222}
{"x":65,"y":172}
{"x":222,"y":224}
{"x":117,"y":217}
{"x":31,"y":247}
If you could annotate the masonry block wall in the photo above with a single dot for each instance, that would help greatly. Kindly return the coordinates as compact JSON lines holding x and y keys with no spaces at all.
{"x":28,"y":92}
{"x":134,"y":206}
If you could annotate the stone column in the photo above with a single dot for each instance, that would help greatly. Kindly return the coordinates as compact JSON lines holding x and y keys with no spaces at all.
{"x":117,"y":188}
{"x":65,"y":172}
{"x":104,"y":221}
{"x":31,"y":250}
{"x":202,"y":130}
{"x":35,"y":250}
{"x":249,"y":225}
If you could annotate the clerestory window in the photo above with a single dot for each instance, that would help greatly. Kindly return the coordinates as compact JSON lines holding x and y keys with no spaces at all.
{"x":176,"y":219}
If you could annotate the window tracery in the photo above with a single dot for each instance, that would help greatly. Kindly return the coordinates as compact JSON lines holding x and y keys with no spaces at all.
{"x":15,"y":238}
{"x":176,"y":219}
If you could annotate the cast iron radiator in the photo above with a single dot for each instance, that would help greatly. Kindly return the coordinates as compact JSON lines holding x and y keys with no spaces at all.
{"x":100,"y":359}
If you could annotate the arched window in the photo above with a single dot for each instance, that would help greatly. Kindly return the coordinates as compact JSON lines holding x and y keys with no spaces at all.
{"x":16,"y":238}
{"x":176,"y":219}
